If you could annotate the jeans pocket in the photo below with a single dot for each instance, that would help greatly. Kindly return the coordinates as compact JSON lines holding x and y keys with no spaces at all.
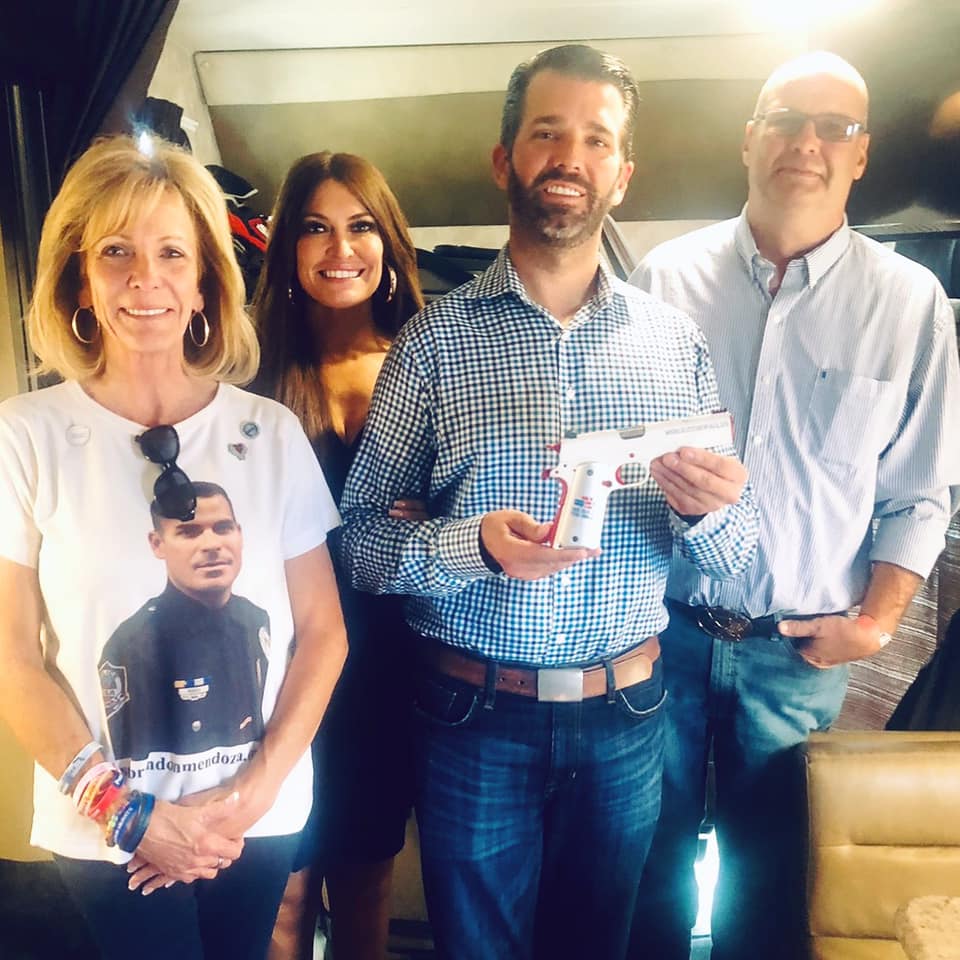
{"x":791,"y":645}
{"x":643,"y":699}
{"x":444,"y":701}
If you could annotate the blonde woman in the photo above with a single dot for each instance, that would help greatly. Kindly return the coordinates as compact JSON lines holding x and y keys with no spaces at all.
{"x":162,"y":541}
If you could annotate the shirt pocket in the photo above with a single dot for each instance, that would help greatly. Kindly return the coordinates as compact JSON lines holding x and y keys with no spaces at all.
{"x":848,"y":418}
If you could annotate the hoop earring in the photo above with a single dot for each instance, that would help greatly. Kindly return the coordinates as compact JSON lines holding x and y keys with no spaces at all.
{"x":393,"y":283}
{"x":76,"y":329}
{"x":202,"y":340}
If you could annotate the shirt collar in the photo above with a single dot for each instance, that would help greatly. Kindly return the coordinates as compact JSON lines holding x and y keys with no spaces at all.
{"x":816,"y":262}
{"x":501,"y":278}
{"x":185,"y":610}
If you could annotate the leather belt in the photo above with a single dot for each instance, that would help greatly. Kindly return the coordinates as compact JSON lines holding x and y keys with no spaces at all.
{"x":727,"y":625}
{"x":549,"y":684}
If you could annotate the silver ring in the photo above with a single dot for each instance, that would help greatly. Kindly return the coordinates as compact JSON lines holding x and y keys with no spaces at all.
{"x":219,"y":863}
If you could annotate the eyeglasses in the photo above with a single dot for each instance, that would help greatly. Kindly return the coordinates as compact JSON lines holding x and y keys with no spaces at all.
{"x":173,"y":489}
{"x":834,"y":127}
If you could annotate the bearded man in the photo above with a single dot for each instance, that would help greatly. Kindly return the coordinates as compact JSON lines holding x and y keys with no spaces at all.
{"x":539,"y":739}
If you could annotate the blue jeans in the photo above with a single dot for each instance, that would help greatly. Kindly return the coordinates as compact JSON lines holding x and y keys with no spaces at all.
{"x":535,"y":818}
{"x":231,"y":916}
{"x":754,"y":701}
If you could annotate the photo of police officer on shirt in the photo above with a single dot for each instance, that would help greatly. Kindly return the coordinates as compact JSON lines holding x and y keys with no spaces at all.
{"x":185,"y":673}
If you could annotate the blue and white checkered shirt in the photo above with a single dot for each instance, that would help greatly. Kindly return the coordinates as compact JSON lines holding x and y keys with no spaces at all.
{"x":845,"y":395}
{"x":472,"y":393}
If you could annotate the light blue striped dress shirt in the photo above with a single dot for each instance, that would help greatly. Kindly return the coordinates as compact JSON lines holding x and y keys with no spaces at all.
{"x":845,"y":393}
{"x":470,"y":396}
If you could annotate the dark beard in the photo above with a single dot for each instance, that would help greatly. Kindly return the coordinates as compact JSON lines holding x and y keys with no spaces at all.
{"x":556,"y":226}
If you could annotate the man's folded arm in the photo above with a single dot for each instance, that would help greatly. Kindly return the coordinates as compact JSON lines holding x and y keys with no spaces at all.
{"x":395,"y":459}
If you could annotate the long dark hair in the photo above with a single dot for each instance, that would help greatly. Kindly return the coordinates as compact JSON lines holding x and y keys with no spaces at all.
{"x":287,"y":367}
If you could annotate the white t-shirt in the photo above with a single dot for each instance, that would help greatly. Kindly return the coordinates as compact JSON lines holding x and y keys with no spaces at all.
{"x":75,"y":493}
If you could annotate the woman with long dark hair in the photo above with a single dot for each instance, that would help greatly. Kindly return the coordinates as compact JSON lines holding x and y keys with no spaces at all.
{"x":339,"y":280}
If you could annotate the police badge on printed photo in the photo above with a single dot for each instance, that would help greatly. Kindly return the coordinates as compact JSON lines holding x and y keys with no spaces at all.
{"x":184,"y":675}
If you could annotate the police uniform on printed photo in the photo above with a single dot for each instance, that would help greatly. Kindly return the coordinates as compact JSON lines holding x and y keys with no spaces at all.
{"x":180,"y":677}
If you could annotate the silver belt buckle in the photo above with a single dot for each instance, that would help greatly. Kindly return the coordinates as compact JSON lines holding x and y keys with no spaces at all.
{"x":560,"y":685}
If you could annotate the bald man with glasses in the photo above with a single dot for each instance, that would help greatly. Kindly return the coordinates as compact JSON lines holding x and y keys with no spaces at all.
{"x":838,"y":360}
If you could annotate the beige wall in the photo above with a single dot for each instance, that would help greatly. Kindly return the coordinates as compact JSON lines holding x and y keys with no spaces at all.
{"x":15,"y":803}
{"x":11,"y":377}
{"x":428,"y":117}
{"x":16,"y":806}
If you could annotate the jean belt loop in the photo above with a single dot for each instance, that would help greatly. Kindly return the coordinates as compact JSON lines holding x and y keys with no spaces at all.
{"x":611,"y":681}
{"x":490,"y":685}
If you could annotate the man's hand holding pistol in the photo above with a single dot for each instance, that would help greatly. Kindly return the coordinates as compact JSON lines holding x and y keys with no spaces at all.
{"x":695,"y":481}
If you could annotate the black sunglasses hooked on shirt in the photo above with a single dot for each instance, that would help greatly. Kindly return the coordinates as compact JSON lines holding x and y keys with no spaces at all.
{"x":173,"y":489}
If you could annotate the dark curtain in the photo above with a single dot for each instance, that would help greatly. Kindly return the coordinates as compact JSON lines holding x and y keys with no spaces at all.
{"x":77,"y":54}
{"x":69,"y":69}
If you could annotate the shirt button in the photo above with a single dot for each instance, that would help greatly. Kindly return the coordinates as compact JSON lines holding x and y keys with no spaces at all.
{"x":765,"y":379}
{"x":757,"y":440}
{"x":561,"y":638}
{"x":565,"y":579}
{"x":570,"y":393}
{"x":195,"y":726}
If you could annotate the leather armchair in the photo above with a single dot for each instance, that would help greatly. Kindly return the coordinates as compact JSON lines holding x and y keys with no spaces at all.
{"x":884,"y":819}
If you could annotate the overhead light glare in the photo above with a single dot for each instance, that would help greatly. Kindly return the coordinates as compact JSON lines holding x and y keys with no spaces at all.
{"x":790,"y":15}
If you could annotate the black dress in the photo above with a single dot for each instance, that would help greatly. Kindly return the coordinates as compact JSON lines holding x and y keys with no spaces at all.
{"x":363,"y":776}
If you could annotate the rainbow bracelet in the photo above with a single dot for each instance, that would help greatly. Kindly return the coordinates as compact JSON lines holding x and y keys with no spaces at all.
{"x":102,"y":795}
{"x":93,"y":800}
{"x":92,"y":774}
